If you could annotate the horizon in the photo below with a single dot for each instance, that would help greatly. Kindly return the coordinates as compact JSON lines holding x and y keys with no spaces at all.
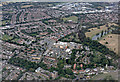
{"x":60,"y":1}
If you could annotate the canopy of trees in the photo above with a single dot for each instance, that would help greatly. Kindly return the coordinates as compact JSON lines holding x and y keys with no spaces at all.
{"x":30,"y":66}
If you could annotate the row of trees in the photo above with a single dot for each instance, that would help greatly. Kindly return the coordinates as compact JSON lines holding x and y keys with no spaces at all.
{"x":95,"y":44}
{"x":99,"y":47}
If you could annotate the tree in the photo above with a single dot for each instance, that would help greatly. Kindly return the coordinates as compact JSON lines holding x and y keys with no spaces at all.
{"x":102,"y":33}
{"x":61,"y":72}
{"x":104,"y":61}
{"x":68,"y":71}
{"x":106,"y":42}
{"x":81,"y":35}
{"x":98,"y":27}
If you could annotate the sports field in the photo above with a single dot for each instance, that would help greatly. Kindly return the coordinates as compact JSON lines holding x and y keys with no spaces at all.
{"x":73,"y":18}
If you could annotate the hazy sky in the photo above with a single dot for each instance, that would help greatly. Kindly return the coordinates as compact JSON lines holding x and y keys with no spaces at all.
{"x":65,"y":0}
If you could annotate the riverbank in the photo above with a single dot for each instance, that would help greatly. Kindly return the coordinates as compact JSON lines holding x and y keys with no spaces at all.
{"x":93,"y":31}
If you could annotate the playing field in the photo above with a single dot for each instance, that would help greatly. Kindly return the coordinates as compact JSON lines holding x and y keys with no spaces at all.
{"x":73,"y":18}
{"x":94,"y":31}
{"x":112,"y":40}
{"x":25,"y":6}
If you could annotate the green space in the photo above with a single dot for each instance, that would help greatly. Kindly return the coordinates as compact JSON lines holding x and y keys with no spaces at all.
{"x":67,"y":73}
{"x":7,"y":12}
{"x":95,"y":58}
{"x":111,"y":42}
{"x":5,"y":21}
{"x":109,"y":76}
{"x":93,"y":31}
{"x":26,"y":6}
{"x":6,"y":37}
{"x":30,"y":66}
{"x":15,"y":40}
{"x":94,"y":45}
{"x":73,"y":18}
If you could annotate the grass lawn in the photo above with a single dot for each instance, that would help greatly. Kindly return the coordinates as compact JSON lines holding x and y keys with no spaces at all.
{"x":4,"y":22}
{"x":102,"y":76}
{"x":6,"y":37}
{"x":33,"y":34}
{"x":73,"y":18}
{"x":112,"y":40}
{"x":25,"y":6}
{"x":7,"y":12}
{"x":15,"y":40}
{"x":94,"y":31}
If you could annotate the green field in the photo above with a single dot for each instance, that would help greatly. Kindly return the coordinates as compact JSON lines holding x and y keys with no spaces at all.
{"x":5,"y":21}
{"x":94,"y":31}
{"x":15,"y":40}
{"x":26,"y":6}
{"x":73,"y":18}
{"x":6,"y":37}
{"x":112,"y":40}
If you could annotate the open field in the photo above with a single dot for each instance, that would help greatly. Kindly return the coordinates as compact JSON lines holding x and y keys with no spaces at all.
{"x":94,"y":31}
{"x":5,"y":21}
{"x":114,"y":75}
{"x":73,"y":18}
{"x":25,"y":6}
{"x":15,"y":40}
{"x":112,"y":40}
{"x":6,"y":37}
{"x":7,"y":12}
